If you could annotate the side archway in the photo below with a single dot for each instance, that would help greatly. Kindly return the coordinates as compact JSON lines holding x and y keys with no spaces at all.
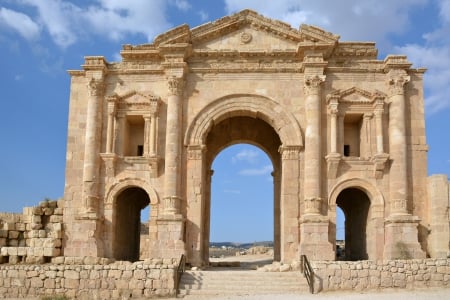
{"x":363,"y":207}
{"x":124,"y":202}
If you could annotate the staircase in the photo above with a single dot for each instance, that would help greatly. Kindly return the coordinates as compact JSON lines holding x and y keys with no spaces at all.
{"x":228,"y":281}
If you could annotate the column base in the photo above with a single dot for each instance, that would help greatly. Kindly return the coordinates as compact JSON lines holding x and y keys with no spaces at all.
{"x":314,"y":241}
{"x":401,"y":238}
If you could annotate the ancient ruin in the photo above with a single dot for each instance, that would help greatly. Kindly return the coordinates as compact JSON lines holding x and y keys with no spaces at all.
{"x":342,"y":128}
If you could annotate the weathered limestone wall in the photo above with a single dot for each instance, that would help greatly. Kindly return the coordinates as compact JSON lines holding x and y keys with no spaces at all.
{"x":34,"y":236}
{"x":439,"y":218}
{"x":90,"y":278}
{"x":367,"y":275}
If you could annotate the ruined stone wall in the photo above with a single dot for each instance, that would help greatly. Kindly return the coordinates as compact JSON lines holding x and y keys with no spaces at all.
{"x":35,"y":236}
{"x":370,"y":275}
{"x":90,"y":278}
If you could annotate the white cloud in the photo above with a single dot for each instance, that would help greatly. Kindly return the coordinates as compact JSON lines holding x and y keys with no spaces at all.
{"x":19,"y":22}
{"x":246,"y":155}
{"x":264,"y":170}
{"x":67,"y":23}
{"x":203,"y":15}
{"x":182,"y":5}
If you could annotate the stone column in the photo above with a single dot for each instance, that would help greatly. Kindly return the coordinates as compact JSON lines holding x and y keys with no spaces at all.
{"x":333,"y":158}
{"x":152,"y":150}
{"x":398,"y":144}
{"x":92,"y":145}
{"x":173,"y":146}
{"x":110,"y":127}
{"x":313,"y":151}
{"x":401,"y":233}
{"x":379,"y":129}
{"x":147,"y":133}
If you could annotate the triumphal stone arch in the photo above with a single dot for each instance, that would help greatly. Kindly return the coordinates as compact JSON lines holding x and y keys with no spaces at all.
{"x":341,"y":127}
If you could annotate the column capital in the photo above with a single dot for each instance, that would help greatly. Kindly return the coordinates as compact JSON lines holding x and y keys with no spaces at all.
{"x":312,"y":84}
{"x":96,"y":87}
{"x":175,"y":85}
{"x":290,"y":152}
{"x":397,"y":82}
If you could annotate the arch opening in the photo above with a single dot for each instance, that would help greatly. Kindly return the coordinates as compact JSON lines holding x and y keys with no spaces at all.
{"x":242,"y":202}
{"x":263,"y":139}
{"x":127,"y":223}
{"x":355,"y":205}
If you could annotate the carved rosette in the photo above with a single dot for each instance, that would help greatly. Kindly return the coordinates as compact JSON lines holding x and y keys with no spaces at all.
{"x":290,"y":152}
{"x":312,"y":84}
{"x":96,"y":87}
{"x":313,"y":205}
{"x":397,"y":84}
{"x":195,"y":152}
{"x":176,"y":86}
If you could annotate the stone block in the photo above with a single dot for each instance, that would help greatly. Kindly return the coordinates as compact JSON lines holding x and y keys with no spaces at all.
{"x":3,"y":242}
{"x":13,"y":234}
{"x":51,"y":252}
{"x":48,"y":211}
{"x":13,"y":243}
{"x":56,"y":219}
{"x":3,"y":233}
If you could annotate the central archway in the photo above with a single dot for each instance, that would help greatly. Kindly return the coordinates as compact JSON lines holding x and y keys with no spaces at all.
{"x":259,"y":121}
{"x":251,"y":131}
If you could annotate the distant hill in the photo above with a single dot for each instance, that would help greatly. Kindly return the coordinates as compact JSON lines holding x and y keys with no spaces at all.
{"x":241,"y":245}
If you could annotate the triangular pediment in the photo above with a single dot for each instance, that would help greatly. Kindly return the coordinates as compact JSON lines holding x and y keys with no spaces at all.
{"x":356,"y":95}
{"x":245,"y":21}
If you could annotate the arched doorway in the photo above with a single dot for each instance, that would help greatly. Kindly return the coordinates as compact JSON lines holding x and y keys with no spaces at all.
{"x":252,"y":131}
{"x":127,"y":223}
{"x":355,"y":205}
{"x":242,"y":202}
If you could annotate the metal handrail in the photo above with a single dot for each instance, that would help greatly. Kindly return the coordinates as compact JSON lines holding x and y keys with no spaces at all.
{"x":308,"y":272}
{"x":180,"y":270}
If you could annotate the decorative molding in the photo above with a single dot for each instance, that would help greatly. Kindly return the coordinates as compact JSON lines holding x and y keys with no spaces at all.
{"x":313,"y":205}
{"x":109,"y":160}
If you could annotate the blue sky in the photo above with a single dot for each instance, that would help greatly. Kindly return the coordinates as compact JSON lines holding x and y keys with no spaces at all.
{"x":41,"y":39}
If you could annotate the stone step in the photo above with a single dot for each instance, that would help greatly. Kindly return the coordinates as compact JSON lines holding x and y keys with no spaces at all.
{"x":241,"y":282}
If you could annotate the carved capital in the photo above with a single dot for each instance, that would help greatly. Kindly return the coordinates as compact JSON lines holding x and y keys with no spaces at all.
{"x":96,"y":87}
{"x":397,"y":84}
{"x":195,"y":152}
{"x":176,"y":85}
{"x":312,"y":84}
{"x":290,"y":152}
